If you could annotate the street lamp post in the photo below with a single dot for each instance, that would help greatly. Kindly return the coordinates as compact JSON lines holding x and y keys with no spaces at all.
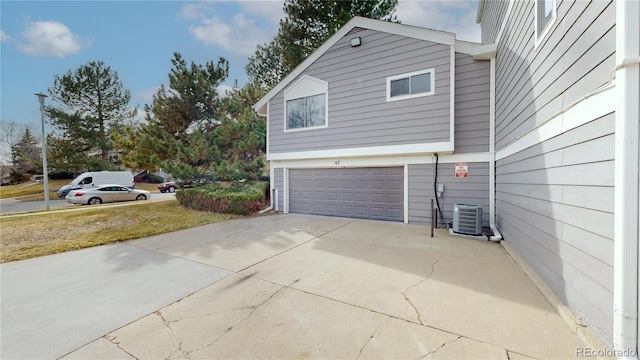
{"x":45,"y":173}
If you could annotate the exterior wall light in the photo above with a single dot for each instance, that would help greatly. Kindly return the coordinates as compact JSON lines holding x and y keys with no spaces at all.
{"x":357,"y":41}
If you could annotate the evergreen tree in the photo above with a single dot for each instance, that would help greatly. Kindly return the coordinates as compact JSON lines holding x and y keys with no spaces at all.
{"x":241,"y":136}
{"x":308,"y":24}
{"x":179,"y":134}
{"x":26,"y":154}
{"x":91,"y":104}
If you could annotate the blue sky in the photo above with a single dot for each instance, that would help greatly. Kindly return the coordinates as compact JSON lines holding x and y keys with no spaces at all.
{"x":41,"y":39}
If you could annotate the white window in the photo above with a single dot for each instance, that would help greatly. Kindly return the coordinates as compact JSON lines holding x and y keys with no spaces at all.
{"x":545,"y":17}
{"x":306,"y":102}
{"x":306,"y":112}
{"x":411,"y":85}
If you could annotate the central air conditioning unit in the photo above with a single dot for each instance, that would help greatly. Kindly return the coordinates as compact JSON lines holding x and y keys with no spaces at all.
{"x":467,"y":219}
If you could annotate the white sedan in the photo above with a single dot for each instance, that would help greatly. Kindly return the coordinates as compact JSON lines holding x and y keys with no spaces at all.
{"x":106,"y":193}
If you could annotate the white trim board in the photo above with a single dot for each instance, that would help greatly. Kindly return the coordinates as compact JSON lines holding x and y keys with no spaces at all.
{"x":406,"y":194}
{"x":585,"y":111}
{"x":380,"y":161}
{"x":389,"y":150}
{"x":452,"y":95}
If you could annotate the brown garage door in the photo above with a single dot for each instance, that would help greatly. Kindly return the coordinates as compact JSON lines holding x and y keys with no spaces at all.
{"x":369,"y":193}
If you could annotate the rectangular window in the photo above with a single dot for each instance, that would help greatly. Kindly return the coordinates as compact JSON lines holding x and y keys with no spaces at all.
{"x":309,"y":111}
{"x":545,"y":16}
{"x":406,"y":86}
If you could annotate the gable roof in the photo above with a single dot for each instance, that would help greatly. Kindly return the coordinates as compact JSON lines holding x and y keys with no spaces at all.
{"x":416,"y":32}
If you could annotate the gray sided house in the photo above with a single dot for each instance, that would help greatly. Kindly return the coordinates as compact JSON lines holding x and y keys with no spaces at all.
{"x":538,"y":125}
{"x":566,"y":150}
{"x":353,"y":130}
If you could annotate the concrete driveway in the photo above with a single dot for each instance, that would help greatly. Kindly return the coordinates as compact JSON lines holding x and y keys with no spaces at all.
{"x":289,"y":286}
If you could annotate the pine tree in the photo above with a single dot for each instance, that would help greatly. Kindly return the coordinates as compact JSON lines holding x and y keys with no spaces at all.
{"x":308,"y":24}
{"x":26,"y":154}
{"x":91,"y":103}
{"x":179,"y":134}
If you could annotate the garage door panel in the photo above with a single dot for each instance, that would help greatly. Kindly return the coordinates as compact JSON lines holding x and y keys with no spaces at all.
{"x":373,"y":193}
{"x":394,"y":213}
{"x":394,"y":199}
{"x":360,"y":197}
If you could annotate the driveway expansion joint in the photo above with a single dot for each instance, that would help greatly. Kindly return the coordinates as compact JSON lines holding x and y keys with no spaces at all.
{"x":294,"y":247}
{"x":111,"y":339}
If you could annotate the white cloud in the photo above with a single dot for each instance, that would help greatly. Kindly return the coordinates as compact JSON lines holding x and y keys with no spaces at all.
{"x":240,"y":36}
{"x":197,"y":10}
{"x":147,"y":94}
{"x":453,"y":16}
{"x":4,"y":37}
{"x":140,"y":117}
{"x":270,"y":10}
{"x":223,"y":89}
{"x":50,"y":38}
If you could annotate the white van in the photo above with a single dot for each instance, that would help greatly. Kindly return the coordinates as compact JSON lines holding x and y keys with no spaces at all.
{"x":96,"y":178}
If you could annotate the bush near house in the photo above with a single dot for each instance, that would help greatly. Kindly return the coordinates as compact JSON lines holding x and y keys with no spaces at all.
{"x":61,"y":175}
{"x":238,"y":198}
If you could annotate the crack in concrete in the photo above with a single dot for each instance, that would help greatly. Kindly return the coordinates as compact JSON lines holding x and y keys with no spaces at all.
{"x":441,"y":346}
{"x":203,"y":315}
{"x":371,"y":337}
{"x":254,"y":309}
{"x":167,"y":324}
{"x":414,"y":308}
{"x":404,"y":293}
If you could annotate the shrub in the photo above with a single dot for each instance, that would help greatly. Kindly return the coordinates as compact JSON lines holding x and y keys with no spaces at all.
{"x":153,"y":179}
{"x":61,"y":175}
{"x":239,"y":198}
{"x":17,"y":177}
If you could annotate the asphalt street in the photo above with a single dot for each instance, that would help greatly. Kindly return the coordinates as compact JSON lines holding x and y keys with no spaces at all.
{"x":13,"y":206}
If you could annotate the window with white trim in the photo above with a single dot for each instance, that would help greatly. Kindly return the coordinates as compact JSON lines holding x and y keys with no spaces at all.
{"x":411,"y":85}
{"x":305,"y":112}
{"x":305,"y":103}
{"x":545,"y":16}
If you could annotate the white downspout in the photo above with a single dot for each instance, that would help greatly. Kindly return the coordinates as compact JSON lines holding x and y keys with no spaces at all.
{"x":627,"y":118}
{"x":492,"y":151}
{"x":274,"y":192}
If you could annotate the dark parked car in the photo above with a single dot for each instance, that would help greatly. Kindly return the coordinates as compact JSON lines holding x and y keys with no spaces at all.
{"x":147,"y":177}
{"x":168,"y":186}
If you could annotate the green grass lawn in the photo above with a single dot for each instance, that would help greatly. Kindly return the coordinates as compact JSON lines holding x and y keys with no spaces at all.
{"x":30,"y":188}
{"x":42,"y":234}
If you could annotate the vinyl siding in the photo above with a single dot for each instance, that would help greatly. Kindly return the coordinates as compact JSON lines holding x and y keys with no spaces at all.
{"x":574,"y":58}
{"x":359,"y":115}
{"x":494,"y":12}
{"x":471,"y":130}
{"x":554,"y":206}
{"x":472,"y":190}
